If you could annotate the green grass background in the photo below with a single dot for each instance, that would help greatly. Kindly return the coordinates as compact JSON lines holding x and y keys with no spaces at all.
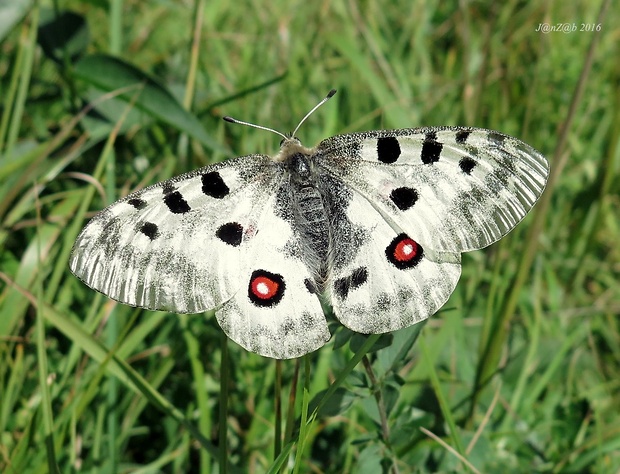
{"x":520,"y":372}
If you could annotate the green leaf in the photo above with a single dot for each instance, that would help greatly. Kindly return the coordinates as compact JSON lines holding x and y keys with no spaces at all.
{"x":357,"y":340}
{"x":110,"y":74}
{"x":395,"y":355}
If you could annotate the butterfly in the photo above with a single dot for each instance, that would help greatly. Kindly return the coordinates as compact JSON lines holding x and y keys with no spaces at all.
{"x":372,"y":224}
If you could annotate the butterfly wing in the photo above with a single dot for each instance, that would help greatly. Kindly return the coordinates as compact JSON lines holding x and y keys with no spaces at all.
{"x":276,"y":312}
{"x":382,"y":280}
{"x":452,"y":189}
{"x":209,"y":239}
{"x":170,"y":246}
{"x":415,"y":200}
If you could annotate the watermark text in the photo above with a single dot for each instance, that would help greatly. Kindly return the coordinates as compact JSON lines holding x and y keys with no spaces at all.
{"x":546,"y":28}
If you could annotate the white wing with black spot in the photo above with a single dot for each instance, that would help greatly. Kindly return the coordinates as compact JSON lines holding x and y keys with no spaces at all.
{"x":177,"y":245}
{"x":276,"y":313}
{"x":386,"y":280}
{"x":452,"y":189}
{"x":210,"y":239}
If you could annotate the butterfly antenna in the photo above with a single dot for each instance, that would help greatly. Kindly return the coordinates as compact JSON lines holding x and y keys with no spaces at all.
{"x":260,"y":127}
{"x":327,"y":97}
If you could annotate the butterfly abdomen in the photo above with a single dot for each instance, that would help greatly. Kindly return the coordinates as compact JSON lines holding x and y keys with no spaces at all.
{"x":310,"y":216}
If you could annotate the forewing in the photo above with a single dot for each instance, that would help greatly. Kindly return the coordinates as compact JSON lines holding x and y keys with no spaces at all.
{"x":382,"y":279}
{"x":452,"y":189}
{"x":276,"y":312}
{"x":177,"y":245}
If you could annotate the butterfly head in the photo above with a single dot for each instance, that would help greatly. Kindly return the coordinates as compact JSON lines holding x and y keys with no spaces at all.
{"x":290,"y":144}
{"x":289,"y":147}
{"x":289,"y":137}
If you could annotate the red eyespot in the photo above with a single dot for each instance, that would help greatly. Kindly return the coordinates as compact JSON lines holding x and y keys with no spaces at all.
{"x":266,"y":288}
{"x":404,"y":252}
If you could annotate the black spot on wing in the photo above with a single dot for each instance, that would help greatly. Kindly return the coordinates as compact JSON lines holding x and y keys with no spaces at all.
{"x":359,"y":277}
{"x":342,"y":286}
{"x":230,"y":233}
{"x":176,"y":204}
{"x":137,"y":203}
{"x":310,"y":286}
{"x":431,"y":149}
{"x":388,"y":149}
{"x":213,"y":185}
{"x":404,"y":197}
{"x":467,"y":165}
{"x":150,"y":230}
{"x":462,"y":136}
